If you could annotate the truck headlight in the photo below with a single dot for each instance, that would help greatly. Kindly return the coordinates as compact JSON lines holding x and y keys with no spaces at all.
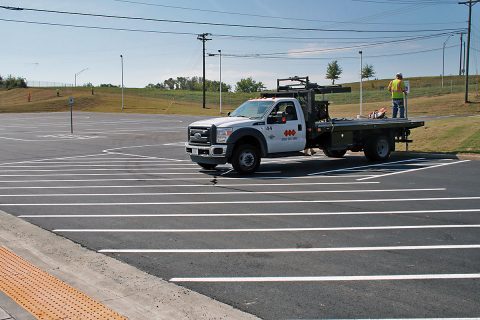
{"x":223,"y":134}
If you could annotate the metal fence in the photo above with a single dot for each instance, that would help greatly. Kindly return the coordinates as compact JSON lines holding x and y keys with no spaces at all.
{"x":47,"y":84}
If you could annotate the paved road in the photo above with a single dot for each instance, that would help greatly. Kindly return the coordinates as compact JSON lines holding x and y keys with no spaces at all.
{"x":304,"y":238}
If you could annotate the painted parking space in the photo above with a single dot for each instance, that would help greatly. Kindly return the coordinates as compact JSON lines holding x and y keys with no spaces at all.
{"x":305,"y":237}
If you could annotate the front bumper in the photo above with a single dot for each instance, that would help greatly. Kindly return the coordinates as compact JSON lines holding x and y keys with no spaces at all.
{"x":214,"y":154}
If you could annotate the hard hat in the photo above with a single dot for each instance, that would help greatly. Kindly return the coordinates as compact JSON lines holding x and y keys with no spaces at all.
{"x":399,"y":75}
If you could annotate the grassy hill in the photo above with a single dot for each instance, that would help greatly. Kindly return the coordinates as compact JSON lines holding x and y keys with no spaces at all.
{"x":460,"y":134}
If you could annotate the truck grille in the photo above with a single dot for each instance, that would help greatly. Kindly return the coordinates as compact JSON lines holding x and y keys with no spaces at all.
{"x":200,"y":136}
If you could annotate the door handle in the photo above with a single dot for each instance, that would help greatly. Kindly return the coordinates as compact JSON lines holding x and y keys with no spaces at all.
{"x":299,"y":127}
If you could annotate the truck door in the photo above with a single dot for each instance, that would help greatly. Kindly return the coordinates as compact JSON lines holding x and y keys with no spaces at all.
{"x":289,"y":136}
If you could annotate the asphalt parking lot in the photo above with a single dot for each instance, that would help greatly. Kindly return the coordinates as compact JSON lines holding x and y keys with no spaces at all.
{"x":304,"y":238}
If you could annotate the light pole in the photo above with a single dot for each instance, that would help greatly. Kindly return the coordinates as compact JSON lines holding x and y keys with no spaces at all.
{"x":443,"y":59}
{"x":121,"y":60}
{"x":76,"y":74}
{"x":361,"y":81}
{"x":220,"y":53}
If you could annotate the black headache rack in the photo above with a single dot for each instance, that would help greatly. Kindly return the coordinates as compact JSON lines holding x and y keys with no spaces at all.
{"x":304,"y":91}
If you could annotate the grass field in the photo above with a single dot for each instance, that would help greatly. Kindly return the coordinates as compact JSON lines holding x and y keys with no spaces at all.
{"x":459,"y":134}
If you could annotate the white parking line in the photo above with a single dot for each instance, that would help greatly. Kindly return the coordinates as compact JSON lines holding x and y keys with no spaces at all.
{"x":99,"y":169}
{"x":368,"y":166}
{"x":413,"y":170}
{"x":441,"y":226}
{"x":144,"y":157}
{"x":57,"y":158}
{"x":236,"y":202}
{"x":126,"y":166}
{"x":333,"y":278}
{"x":107,"y":174}
{"x":193,"y":185}
{"x":107,"y":161}
{"x":43,"y":195}
{"x":210,"y":178}
{"x":202,"y":215}
{"x":293,"y":250}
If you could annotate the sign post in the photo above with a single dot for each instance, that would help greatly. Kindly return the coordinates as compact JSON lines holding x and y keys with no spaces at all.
{"x":70,"y":102}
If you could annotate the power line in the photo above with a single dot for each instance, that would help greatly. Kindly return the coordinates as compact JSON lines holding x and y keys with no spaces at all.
{"x":219,"y":24}
{"x":274,"y":17}
{"x":407,"y":2}
{"x":337,"y":58}
{"x":96,"y":27}
{"x":351,"y":47}
{"x":213,"y":34}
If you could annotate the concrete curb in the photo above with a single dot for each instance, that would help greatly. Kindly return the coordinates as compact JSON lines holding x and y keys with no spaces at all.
{"x":123,"y":288}
{"x":460,"y":156}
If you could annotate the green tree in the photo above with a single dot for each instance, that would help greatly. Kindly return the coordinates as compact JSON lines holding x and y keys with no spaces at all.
{"x":333,"y":71}
{"x":11,"y":82}
{"x":249,"y":85}
{"x":368,"y":72}
{"x":170,"y":83}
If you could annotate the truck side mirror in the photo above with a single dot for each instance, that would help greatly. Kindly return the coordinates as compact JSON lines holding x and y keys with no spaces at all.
{"x":279,"y":117}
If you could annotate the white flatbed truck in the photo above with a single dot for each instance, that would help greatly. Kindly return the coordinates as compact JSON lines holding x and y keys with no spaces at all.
{"x":285,"y":122}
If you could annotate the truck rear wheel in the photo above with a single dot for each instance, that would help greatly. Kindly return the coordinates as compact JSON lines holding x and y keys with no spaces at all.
{"x":246,"y":159}
{"x":334,"y":153}
{"x":378,"y":148}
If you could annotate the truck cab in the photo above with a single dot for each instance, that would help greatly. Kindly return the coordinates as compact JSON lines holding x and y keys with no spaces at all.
{"x":257,"y":128}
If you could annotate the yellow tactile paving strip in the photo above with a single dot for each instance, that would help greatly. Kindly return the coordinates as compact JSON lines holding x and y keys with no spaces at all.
{"x":45,"y":296}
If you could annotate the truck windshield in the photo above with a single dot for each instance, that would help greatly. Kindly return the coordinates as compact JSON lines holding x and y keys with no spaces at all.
{"x":252,"y":109}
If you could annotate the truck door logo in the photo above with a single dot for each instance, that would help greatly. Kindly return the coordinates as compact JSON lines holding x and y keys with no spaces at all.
{"x":289,"y":133}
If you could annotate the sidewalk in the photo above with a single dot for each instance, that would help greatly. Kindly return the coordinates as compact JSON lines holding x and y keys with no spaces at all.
{"x":5,"y":316}
{"x":10,"y":310}
{"x":119,"y":287}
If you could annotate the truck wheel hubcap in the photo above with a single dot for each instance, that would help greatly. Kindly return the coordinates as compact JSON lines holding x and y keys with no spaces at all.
{"x":382,"y":148}
{"x":247,"y":159}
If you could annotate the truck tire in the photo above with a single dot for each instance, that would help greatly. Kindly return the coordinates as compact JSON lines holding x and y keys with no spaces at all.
{"x":245,"y":159}
{"x":378,"y":148}
{"x":207,"y":166}
{"x":334,"y":153}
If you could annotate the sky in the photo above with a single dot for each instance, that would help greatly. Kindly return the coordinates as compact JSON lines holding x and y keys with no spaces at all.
{"x":391,"y":35}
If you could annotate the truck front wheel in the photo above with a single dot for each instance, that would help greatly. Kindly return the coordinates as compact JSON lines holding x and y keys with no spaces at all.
{"x":246,"y":159}
{"x":378,"y":148}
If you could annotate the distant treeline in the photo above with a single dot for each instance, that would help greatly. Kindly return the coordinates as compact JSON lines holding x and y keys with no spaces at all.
{"x":186,"y":83}
{"x":11,"y":82}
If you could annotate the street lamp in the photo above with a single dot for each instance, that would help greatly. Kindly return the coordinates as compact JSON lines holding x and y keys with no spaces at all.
{"x":443,"y":60}
{"x":361,"y":81}
{"x":76,"y":74}
{"x":220,"y":55}
{"x":121,"y":60}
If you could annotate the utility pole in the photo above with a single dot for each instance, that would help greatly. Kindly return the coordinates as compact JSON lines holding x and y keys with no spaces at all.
{"x":203,"y":37}
{"x":470,"y":4}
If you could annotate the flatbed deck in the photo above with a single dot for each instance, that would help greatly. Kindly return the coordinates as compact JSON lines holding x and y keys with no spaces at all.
{"x":365,"y":124}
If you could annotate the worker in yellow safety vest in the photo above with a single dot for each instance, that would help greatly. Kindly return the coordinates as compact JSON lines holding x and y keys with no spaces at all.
{"x":397,"y":88}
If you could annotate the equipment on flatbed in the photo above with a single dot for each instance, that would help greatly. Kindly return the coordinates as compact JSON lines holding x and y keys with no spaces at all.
{"x":304,"y":91}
